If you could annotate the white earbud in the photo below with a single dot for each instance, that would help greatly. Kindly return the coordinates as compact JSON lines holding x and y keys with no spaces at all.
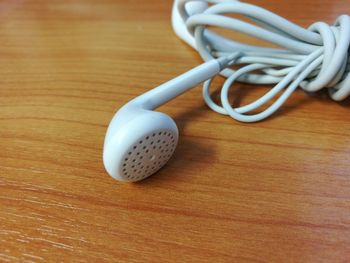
{"x":139,"y":141}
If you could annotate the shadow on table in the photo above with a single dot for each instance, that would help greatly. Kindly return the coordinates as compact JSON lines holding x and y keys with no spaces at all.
{"x":190,"y":151}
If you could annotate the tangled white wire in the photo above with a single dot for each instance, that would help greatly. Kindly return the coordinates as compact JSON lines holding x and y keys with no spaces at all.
{"x":313,"y":58}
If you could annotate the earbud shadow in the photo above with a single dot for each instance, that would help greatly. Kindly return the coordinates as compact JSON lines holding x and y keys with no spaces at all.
{"x":190,"y":151}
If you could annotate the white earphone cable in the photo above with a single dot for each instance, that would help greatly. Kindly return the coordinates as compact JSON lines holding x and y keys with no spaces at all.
{"x":313,"y":58}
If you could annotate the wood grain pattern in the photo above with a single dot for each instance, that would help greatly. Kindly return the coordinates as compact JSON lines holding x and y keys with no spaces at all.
{"x":274,"y":191}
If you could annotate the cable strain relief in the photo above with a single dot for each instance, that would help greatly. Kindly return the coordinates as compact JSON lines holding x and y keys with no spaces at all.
{"x":228,"y":61}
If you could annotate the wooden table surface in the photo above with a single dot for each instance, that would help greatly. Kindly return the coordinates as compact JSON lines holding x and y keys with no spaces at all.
{"x":274,"y":191}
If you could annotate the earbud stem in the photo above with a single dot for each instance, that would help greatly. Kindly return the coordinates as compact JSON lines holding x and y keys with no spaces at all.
{"x":175,"y":87}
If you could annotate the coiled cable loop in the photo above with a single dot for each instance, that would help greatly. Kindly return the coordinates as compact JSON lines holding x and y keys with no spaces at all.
{"x":313,"y":58}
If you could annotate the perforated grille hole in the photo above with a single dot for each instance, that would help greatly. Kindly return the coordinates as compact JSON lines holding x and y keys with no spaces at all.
{"x":148,"y":155}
